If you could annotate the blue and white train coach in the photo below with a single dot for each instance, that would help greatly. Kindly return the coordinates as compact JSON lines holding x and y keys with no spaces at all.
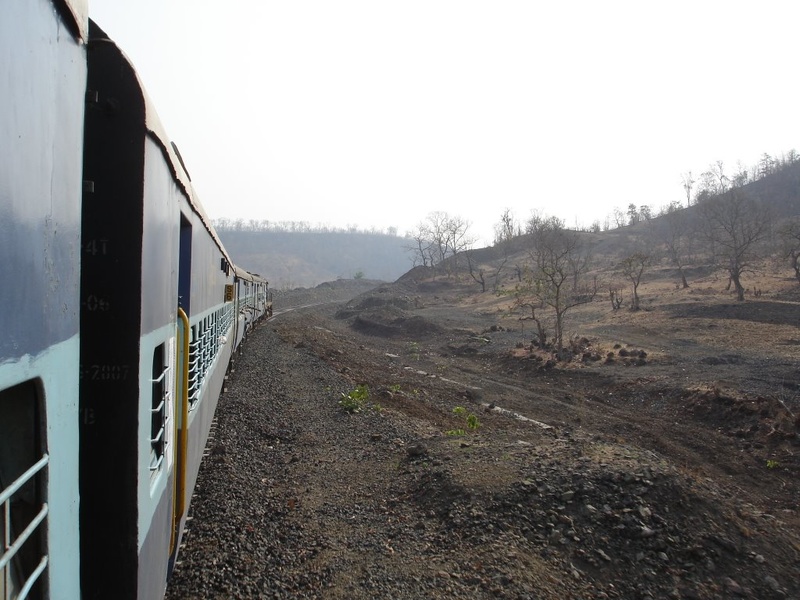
{"x":120,"y":313}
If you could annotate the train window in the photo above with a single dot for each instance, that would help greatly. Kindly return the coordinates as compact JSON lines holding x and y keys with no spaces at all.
{"x":158,"y":410}
{"x":185,"y":266}
{"x":23,"y":490}
{"x":195,"y":365}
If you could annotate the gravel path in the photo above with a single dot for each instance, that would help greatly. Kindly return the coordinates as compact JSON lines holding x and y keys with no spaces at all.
{"x":300,"y":498}
{"x":293,"y":496}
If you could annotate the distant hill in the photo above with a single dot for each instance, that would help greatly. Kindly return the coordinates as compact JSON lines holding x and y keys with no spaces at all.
{"x":675,"y":240}
{"x":289,"y":259}
{"x":294,"y":255}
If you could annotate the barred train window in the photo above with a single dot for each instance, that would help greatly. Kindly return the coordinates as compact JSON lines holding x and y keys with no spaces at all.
{"x":158,"y":410}
{"x":23,"y":446}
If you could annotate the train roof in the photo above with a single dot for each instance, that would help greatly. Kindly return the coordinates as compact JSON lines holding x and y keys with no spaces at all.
{"x":76,"y":14}
{"x":247,"y":275}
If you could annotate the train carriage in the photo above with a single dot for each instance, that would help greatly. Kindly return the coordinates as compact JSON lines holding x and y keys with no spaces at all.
{"x":154,"y":333}
{"x":42,"y":47}
{"x":251,"y":293}
{"x":120,"y":311}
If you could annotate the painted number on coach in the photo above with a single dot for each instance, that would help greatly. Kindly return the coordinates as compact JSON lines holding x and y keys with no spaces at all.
{"x":105,"y":372}
{"x":96,"y":247}
{"x":95,"y":303}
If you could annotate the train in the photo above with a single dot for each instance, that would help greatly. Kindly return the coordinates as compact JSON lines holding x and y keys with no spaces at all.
{"x":120,"y":315}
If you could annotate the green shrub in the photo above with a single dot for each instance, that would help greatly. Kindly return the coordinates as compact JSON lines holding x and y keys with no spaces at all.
{"x":356,"y":400}
{"x":470,"y":419}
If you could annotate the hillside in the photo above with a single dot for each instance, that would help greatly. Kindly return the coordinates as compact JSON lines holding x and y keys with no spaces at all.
{"x":298,"y":256}
{"x":289,"y":259}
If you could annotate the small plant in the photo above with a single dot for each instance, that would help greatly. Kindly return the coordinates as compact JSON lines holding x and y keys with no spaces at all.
{"x":471,"y":421}
{"x":413,"y":350}
{"x":772,"y":464}
{"x":356,"y":400}
{"x":455,"y":432}
{"x":394,"y":388}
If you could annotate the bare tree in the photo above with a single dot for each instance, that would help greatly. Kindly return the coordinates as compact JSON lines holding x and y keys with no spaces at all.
{"x":475,"y":271}
{"x":422,"y":247}
{"x":619,"y":217}
{"x":439,"y":237}
{"x":735,"y":225}
{"x":633,"y":214}
{"x":688,"y":182}
{"x":507,"y":228}
{"x":766,"y":165}
{"x":721,"y":180}
{"x":539,"y":221}
{"x":505,"y":231}
{"x":552,"y":279}
{"x":633,"y":267}
{"x":741,"y":177}
{"x":707,"y":187}
{"x":436,"y":225}
{"x":674,"y":231}
{"x":523,"y":299}
{"x":790,"y":242}
{"x":458,"y":238}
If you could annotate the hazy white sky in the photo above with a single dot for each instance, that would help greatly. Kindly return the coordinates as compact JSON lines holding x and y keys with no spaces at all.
{"x":375,"y":113}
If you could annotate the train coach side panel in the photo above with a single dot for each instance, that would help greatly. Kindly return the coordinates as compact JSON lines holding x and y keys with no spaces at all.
{"x":159,"y":300}
{"x":43,"y":73}
{"x":41,"y":133}
{"x":110,"y":324}
{"x":209,"y":278}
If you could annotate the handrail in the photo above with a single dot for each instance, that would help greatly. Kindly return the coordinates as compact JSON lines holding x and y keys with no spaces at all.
{"x":23,"y":537}
{"x":23,"y":593}
{"x":182,"y":436}
{"x":10,"y":550}
{"x":160,"y":378}
{"x":24,"y":478}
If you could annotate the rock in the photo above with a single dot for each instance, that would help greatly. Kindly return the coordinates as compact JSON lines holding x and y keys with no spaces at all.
{"x":724,"y":543}
{"x":646,"y":532}
{"x":416,"y":450}
{"x":732,"y":586}
{"x":773,"y":584}
{"x":603,"y":555}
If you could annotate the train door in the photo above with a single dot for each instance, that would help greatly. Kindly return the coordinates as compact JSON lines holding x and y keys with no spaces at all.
{"x":184,"y":332}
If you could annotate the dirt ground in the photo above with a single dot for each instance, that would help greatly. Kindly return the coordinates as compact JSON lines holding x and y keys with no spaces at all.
{"x":660,"y":461}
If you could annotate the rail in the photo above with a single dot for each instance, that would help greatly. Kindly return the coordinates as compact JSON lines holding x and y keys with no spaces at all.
{"x":12,"y":547}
